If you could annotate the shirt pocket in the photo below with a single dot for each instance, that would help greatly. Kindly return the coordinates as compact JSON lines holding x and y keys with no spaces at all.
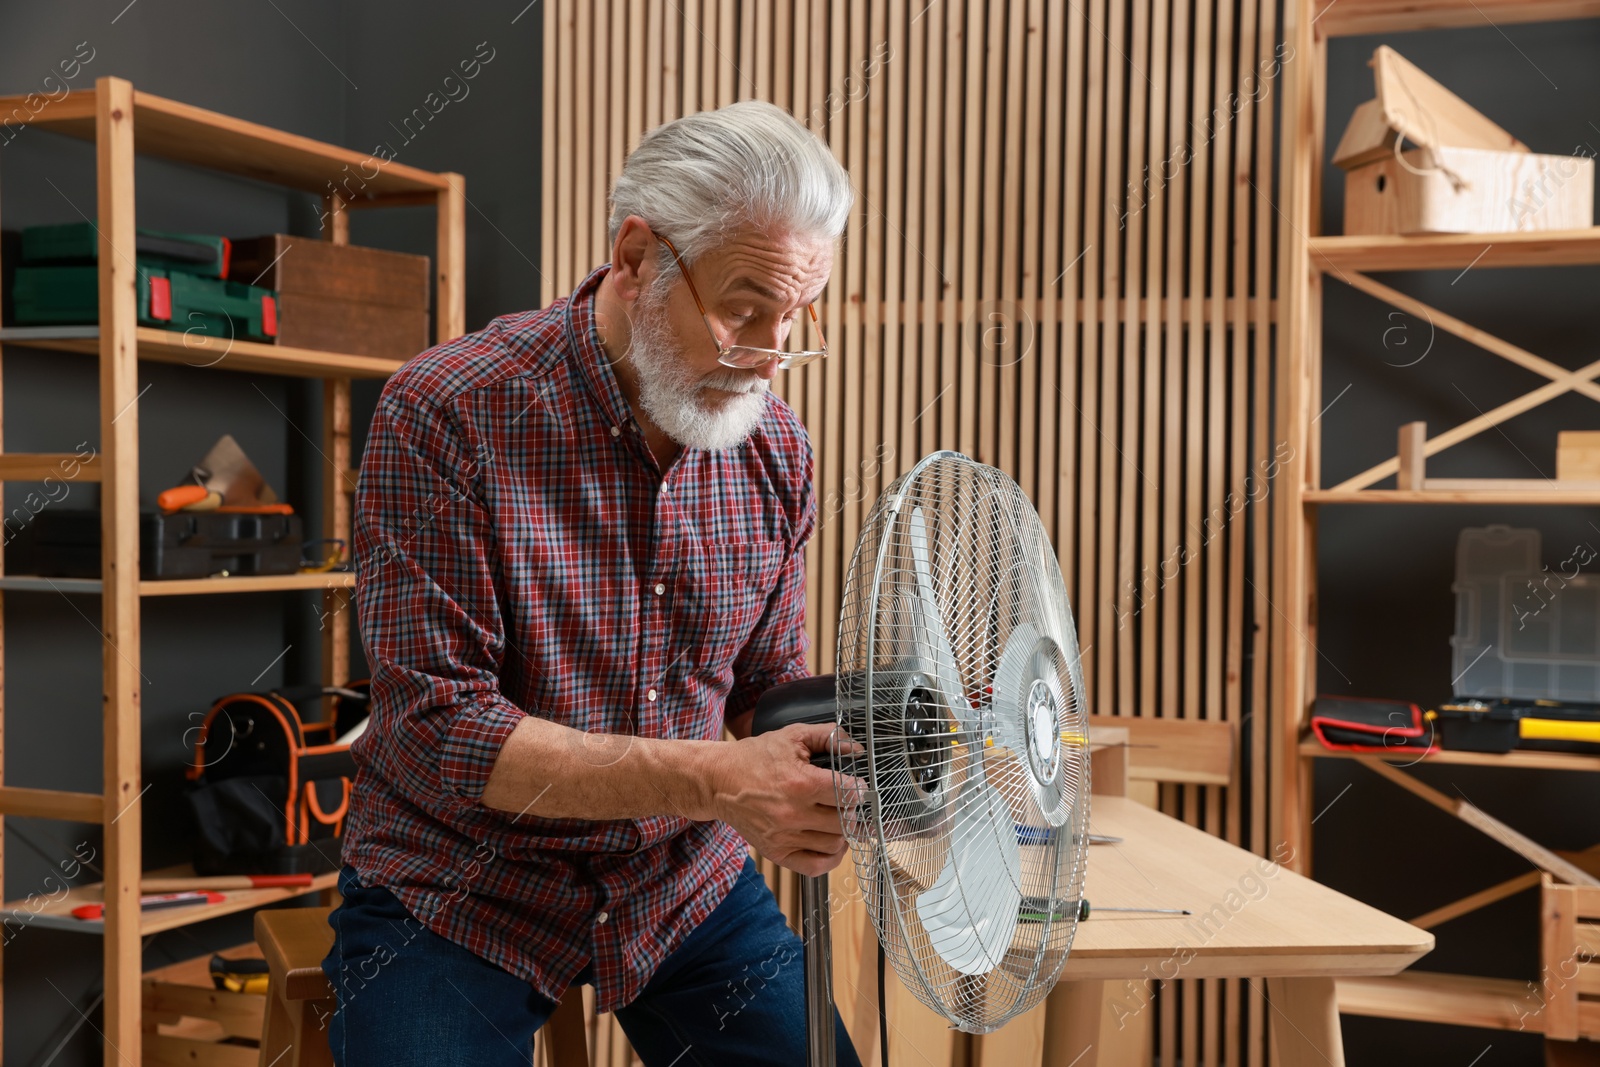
{"x":729,"y":597}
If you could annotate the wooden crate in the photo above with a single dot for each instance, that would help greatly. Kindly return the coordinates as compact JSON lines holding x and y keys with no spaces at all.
{"x":1571,"y":950}
{"x":340,"y":298}
{"x":190,"y":1023}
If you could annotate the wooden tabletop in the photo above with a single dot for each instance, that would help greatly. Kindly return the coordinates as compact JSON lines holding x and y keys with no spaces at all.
{"x":1253,"y":918}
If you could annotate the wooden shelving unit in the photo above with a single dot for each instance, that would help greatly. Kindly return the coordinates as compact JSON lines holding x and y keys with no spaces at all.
{"x":1308,"y":259}
{"x":122,"y":123}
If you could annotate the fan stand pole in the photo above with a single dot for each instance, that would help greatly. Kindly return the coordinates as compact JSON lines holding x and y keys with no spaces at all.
{"x":821,"y":1047}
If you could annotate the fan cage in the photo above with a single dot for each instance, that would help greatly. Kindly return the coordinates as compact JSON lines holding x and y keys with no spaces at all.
{"x":990,"y":619}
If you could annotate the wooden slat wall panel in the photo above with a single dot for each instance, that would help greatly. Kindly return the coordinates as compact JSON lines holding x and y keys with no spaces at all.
{"x":1060,"y":262}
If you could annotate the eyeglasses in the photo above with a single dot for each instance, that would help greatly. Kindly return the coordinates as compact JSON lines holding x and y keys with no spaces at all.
{"x":749,"y":357}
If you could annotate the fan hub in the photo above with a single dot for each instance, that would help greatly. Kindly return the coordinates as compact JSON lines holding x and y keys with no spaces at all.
{"x":1044,"y":731}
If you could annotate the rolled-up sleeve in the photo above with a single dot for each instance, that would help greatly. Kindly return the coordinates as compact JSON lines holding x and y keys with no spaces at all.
{"x":425,"y":598}
{"x":776,"y":650}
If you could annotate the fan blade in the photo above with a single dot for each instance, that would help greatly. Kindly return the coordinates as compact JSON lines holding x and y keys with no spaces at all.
{"x":1009,"y":703}
{"x":970,"y":911}
{"x":931,"y":628}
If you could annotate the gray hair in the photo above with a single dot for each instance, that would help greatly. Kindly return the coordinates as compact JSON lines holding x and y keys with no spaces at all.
{"x":750,"y":164}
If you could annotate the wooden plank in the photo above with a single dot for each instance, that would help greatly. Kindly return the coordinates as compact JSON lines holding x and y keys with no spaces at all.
{"x":1467,"y":332}
{"x":1347,"y":17}
{"x":1262,"y":711}
{"x":1130,"y":484}
{"x":184,"y":133}
{"x":903,"y":119}
{"x":1485,"y":421}
{"x":1087,"y":591}
{"x":1557,"y":923}
{"x":249,"y":357}
{"x":1457,"y":1000}
{"x":1053,"y":371}
{"x":1481,"y":820}
{"x":119,"y":598}
{"x":39,"y":466}
{"x":1106,"y":494}
{"x":1030,"y":370}
{"x":1456,"y":251}
{"x":565,"y":220}
{"x":549,"y":109}
{"x":1411,"y":456}
{"x":1474,"y":901}
{"x":52,"y":804}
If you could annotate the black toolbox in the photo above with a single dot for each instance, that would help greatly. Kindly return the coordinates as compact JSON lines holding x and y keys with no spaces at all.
{"x":1500,"y":724}
{"x":64,"y":543}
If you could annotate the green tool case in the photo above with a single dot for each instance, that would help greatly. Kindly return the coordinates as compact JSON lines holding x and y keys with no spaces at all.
{"x":79,"y":243}
{"x":182,"y":284}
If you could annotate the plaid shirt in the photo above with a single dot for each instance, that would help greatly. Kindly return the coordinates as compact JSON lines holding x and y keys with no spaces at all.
{"x":520,"y":552}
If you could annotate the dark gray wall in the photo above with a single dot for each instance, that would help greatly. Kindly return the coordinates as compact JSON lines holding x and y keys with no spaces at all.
{"x":345,"y":72}
{"x":339,"y":72}
{"x":1387,"y":611}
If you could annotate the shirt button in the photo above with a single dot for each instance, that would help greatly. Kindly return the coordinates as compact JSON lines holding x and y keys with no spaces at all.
{"x":660,"y":589}
{"x":650,"y":695}
{"x":663,"y":489}
{"x":616,"y":432}
{"x":602,"y":917}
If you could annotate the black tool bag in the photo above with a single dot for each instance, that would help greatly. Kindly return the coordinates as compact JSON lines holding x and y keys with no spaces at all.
{"x":271,"y":790}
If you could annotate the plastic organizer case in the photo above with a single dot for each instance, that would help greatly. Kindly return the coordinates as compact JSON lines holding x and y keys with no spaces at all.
{"x":1524,"y":629}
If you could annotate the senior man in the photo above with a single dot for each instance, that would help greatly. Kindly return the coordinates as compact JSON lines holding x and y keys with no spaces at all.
{"x":580,"y":538}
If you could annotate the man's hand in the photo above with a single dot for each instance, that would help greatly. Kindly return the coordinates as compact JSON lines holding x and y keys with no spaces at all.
{"x":766,"y":788}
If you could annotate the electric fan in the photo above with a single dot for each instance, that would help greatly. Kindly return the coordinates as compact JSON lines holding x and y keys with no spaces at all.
{"x":958,"y":672}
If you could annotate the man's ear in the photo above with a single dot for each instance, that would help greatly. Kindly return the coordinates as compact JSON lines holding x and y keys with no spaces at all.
{"x":633,"y":261}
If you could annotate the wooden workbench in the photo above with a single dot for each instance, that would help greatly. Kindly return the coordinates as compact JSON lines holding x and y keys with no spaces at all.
{"x":1253,"y":919}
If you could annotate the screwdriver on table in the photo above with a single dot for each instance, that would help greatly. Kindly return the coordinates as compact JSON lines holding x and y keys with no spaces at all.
{"x":1039,"y":909}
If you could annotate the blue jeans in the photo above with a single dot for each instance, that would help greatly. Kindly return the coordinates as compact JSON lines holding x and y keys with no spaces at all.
{"x":430,"y":1001}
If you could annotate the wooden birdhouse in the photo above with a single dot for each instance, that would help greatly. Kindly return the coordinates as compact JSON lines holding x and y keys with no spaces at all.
{"x":1418,"y":159}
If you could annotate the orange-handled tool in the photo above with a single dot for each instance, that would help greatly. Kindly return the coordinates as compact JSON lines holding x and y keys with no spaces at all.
{"x":186,"y":496}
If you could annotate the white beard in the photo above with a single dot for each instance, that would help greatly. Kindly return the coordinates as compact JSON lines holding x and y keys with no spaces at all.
{"x":670,"y":394}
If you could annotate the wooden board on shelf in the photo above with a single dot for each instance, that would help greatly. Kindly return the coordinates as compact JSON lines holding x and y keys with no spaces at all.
{"x":266,"y":583}
{"x":1455,"y":251}
{"x":1338,"y":18}
{"x":1531,"y":496}
{"x":57,"y":914}
{"x":187,"y":134}
{"x":195,"y":350}
{"x":1521,"y":759}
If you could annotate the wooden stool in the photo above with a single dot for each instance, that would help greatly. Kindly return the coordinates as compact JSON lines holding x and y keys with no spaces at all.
{"x":300,"y":1001}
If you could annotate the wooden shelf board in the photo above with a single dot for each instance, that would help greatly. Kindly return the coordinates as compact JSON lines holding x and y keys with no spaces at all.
{"x":1530,"y":496}
{"x":267,"y":583}
{"x":1456,"y":251}
{"x":173,"y":346}
{"x":1339,"y":18}
{"x":1453,"y":999}
{"x":57,"y":914}
{"x":1517,"y":760}
{"x":187,"y":134}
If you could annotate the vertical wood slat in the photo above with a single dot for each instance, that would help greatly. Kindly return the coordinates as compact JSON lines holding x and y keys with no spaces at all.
{"x":1008,"y":159}
{"x":1265,"y":452}
{"x":119,"y":599}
